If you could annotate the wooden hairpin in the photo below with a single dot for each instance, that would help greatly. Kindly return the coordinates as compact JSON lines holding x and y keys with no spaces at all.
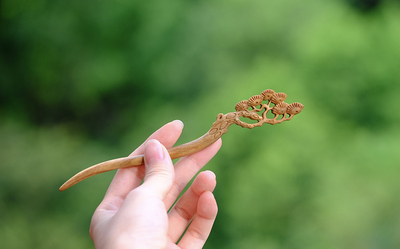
{"x":252,"y":108}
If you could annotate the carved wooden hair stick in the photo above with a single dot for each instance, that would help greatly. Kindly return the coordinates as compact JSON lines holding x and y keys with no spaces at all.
{"x":253,"y":109}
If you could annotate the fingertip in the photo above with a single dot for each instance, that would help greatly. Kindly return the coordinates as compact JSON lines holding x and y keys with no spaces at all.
{"x":167,"y":135}
{"x":179,"y":122}
{"x":216,"y":146}
{"x":219,"y":142}
{"x":210,"y":179}
{"x":177,"y":125}
{"x":207,"y":206}
{"x":210,"y":174}
{"x":205,"y":181}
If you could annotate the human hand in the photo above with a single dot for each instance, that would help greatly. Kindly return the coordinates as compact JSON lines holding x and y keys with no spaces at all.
{"x":135,"y":215}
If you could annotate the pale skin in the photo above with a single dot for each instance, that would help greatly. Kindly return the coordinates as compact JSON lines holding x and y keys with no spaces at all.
{"x":136,"y":214}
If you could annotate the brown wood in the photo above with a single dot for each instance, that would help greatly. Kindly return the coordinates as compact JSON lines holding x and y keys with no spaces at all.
{"x":252,"y":108}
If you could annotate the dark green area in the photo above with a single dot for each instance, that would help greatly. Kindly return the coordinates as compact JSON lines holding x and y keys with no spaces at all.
{"x":86,"y":81}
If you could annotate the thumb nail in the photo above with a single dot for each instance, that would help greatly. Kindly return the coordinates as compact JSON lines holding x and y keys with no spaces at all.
{"x":153,"y":152}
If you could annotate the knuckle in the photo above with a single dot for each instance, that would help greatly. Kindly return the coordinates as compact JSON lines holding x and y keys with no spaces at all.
{"x":197,"y":234}
{"x":184,"y":213}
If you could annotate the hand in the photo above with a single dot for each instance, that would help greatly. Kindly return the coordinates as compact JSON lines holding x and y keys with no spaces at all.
{"x":135,"y":215}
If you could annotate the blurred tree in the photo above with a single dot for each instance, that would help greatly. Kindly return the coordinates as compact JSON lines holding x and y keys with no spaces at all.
{"x":87,"y":64}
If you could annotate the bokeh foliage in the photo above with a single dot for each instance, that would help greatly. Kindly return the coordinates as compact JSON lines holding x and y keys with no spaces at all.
{"x":87,"y":81}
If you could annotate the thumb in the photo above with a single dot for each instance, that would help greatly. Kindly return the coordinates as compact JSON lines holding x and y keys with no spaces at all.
{"x":159,"y":173}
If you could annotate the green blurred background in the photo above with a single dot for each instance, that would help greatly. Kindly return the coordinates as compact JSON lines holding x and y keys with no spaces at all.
{"x":87,"y":81}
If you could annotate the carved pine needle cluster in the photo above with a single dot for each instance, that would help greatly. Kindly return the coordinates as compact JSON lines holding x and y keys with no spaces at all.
{"x":255,"y":109}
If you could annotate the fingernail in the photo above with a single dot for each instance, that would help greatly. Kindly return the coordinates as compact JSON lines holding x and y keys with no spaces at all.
{"x":180,"y":122}
{"x":212,"y":173}
{"x":153,"y":152}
